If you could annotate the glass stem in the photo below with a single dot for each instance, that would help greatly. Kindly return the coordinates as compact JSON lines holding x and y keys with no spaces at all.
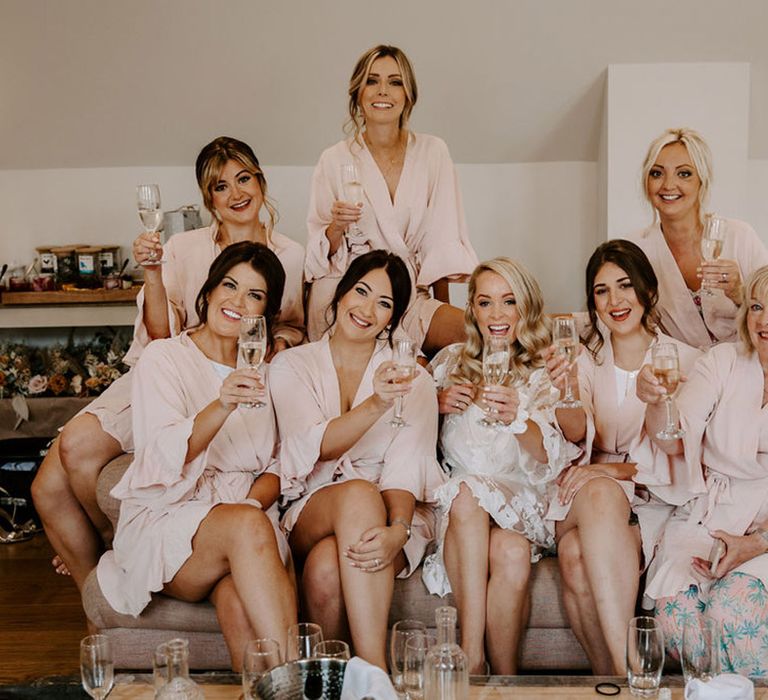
{"x":668,"y":404}
{"x":398,"y":408}
{"x":568,"y":397}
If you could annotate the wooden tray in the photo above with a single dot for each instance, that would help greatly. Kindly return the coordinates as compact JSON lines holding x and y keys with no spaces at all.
{"x":84,"y":296}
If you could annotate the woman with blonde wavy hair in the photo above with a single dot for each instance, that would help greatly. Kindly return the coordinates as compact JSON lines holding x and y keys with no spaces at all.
{"x":406,"y":201}
{"x":503,"y":471}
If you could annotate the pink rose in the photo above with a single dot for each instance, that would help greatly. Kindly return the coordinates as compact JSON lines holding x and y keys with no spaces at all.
{"x":37,"y":384}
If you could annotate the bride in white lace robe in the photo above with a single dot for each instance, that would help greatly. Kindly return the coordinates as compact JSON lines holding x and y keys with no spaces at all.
{"x":493,"y":506}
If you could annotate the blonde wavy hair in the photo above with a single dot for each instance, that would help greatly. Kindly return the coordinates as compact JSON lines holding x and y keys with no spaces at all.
{"x":354,"y":125}
{"x":532,"y":332}
{"x":756,"y":287}
{"x":699,"y":152}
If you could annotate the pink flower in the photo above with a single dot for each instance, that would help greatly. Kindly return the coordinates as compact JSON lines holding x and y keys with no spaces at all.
{"x":37,"y":384}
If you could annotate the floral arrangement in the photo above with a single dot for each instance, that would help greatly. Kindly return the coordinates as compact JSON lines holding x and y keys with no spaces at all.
{"x":81,"y":370}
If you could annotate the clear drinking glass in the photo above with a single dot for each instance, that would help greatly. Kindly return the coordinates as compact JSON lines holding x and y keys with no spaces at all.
{"x":416,"y":648}
{"x":712,"y":243}
{"x":666,"y":368}
{"x":700,"y":650}
{"x":353,"y":193}
{"x":260,"y":657}
{"x":495,"y":366}
{"x":302,"y":639}
{"x":645,"y":656}
{"x":401,"y":632}
{"x":97,"y":667}
{"x":331,"y":649}
{"x":151,"y":215}
{"x":404,"y":357}
{"x":252,"y":346}
{"x":567,"y":344}
{"x":446,"y":671}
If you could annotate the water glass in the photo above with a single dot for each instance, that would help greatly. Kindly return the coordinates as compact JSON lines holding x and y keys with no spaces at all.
{"x":645,"y":656}
{"x":700,"y":650}
{"x":332,"y":649}
{"x":97,"y":667}
{"x":416,"y":647}
{"x":401,"y":632}
{"x":302,"y":639}
{"x":260,"y":657}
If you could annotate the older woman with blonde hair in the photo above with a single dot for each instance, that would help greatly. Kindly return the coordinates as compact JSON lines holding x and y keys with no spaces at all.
{"x":712,"y":562}
{"x":503,"y":470}
{"x":400,"y":193}
{"x":698,"y":298}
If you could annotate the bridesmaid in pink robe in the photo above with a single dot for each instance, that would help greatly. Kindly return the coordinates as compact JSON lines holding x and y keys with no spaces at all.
{"x":601,"y":500}
{"x":198,"y":513}
{"x":410,"y":203}
{"x":234,"y":191}
{"x":723,"y":412}
{"x":676,"y":179}
{"x":358,"y":491}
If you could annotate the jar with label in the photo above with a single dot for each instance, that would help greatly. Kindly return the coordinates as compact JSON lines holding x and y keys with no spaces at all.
{"x":87,"y":266}
{"x":66,"y":264}
{"x":47,"y":259}
{"x":109,"y":260}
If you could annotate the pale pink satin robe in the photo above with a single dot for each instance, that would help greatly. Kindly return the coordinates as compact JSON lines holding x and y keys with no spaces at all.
{"x":425,"y":226}
{"x":188,"y":256}
{"x":305,"y":392}
{"x":726,"y":466}
{"x":614,"y":429}
{"x":680,"y":317}
{"x":163,"y":499}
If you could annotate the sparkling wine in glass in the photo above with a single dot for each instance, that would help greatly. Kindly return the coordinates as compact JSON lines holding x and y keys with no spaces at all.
{"x":495,"y":366}
{"x":404,"y":358}
{"x":666,"y":368}
{"x":353,"y":193}
{"x":151,"y":215}
{"x":567,"y":344}
{"x":252,"y":346}
{"x":712,"y":242}
{"x":97,"y":667}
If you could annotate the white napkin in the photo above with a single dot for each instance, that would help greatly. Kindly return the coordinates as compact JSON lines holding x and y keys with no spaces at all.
{"x":726,"y":686}
{"x":364,"y":680}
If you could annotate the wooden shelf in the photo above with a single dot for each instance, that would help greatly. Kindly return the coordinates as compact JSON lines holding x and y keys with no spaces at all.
{"x":84,"y":296}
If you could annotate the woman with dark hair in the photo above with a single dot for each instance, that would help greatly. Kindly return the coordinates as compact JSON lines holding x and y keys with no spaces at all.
{"x":198,"y":513}
{"x":357,"y":490}
{"x":407,"y":201}
{"x":234,"y":191}
{"x":600,"y":499}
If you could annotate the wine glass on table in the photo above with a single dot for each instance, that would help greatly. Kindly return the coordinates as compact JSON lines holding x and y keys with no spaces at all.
{"x":353,"y":193}
{"x":712,"y":243}
{"x":151,"y":215}
{"x":567,"y":344}
{"x":259,"y":658}
{"x":404,"y":358}
{"x":495,"y":367}
{"x":302,"y":639}
{"x":666,"y":368}
{"x":252,"y":346}
{"x":97,"y":667}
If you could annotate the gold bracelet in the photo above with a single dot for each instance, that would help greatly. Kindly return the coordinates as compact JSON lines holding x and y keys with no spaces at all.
{"x":401,"y":521}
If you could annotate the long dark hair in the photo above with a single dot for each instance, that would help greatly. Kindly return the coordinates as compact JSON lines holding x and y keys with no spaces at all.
{"x":630,"y":258}
{"x":262,"y":260}
{"x":398,"y":278}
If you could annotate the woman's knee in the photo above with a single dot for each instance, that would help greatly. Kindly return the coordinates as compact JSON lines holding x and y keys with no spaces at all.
{"x":465,"y":507}
{"x":246,"y":526}
{"x":510,"y":557}
{"x":50,"y":482}
{"x":602,"y":496}
{"x":320,"y":579}
{"x":85,"y":448}
{"x":571,"y":564}
{"x":359,"y":498}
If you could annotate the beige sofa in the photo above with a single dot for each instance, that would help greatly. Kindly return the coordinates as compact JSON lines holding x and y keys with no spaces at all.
{"x":548,"y":643}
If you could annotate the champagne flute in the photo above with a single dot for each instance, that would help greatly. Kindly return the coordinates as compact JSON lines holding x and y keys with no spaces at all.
{"x":712,"y":243}
{"x":331,"y":649}
{"x":259,"y":658}
{"x":416,"y":648}
{"x":353,"y":193}
{"x":97,"y":667}
{"x":252,"y":346}
{"x":404,"y":356}
{"x":666,"y":368}
{"x":302,"y":639}
{"x":567,"y":343}
{"x":495,"y":366}
{"x":402,"y":631}
{"x":151,"y":215}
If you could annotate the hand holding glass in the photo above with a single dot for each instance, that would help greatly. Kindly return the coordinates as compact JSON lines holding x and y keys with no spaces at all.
{"x":666,"y":368}
{"x":252,"y":346}
{"x":495,"y":366}
{"x":151,"y":215}
{"x":567,"y":344}
{"x":353,"y":193}
{"x":260,"y":657}
{"x":712,"y":242}
{"x":404,"y":357}
{"x":645,"y":656}
{"x":97,"y":668}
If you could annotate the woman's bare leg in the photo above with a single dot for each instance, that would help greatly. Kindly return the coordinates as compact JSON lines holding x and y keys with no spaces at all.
{"x":465,"y":553}
{"x":347,"y":510}
{"x":445,"y":328}
{"x":85,"y":449}
{"x":66,"y":524}
{"x":610,"y":549}
{"x":323,"y":600}
{"x":233,"y":620}
{"x":239,"y":540}
{"x":580,"y":604}
{"x":508,"y":604}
